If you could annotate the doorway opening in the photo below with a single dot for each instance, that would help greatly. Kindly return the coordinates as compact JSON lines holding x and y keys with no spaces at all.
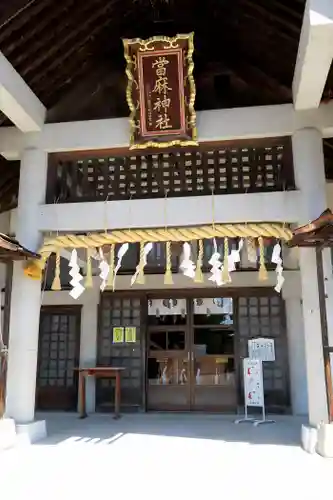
{"x":58,"y":356}
{"x":191,"y":355}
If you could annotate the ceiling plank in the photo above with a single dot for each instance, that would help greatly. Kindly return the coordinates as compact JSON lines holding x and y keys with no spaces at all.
{"x":36,"y":32}
{"x":65,"y":44}
{"x":83,"y":90}
{"x":261,"y":78}
{"x":9,"y":11}
{"x":292,"y":12}
{"x":267,"y":14}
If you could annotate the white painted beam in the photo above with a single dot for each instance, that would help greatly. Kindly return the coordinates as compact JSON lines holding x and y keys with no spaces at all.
{"x":225,"y":124}
{"x":17,"y":101}
{"x":315,"y":54}
{"x":217,"y":125}
{"x":189,"y":211}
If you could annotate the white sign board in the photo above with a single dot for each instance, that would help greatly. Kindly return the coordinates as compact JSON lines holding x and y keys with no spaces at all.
{"x":166,"y":307}
{"x":253,"y":382}
{"x":214,"y":306}
{"x":262,"y":349}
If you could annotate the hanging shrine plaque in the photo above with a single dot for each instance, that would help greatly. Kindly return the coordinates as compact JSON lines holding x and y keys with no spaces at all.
{"x":161,"y":91}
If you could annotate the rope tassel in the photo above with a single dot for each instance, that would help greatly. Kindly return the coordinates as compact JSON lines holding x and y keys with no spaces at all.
{"x":225,"y":272}
{"x":89,"y":281}
{"x":263,"y":275}
{"x":56,"y":285}
{"x":198,"y":272}
{"x":141,"y":277}
{"x":111,"y":263}
{"x":168,"y":273}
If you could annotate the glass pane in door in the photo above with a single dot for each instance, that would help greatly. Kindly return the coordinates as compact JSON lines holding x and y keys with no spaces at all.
{"x":168,"y":355}
{"x":213,"y":355}
{"x":167,"y":360}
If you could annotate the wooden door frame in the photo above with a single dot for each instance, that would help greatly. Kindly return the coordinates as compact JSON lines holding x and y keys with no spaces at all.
{"x":127,"y":294}
{"x":216,"y":327}
{"x":62,"y":309}
{"x":189,"y":293}
{"x":186,"y":328}
{"x":190,"y":322}
{"x":189,"y":345}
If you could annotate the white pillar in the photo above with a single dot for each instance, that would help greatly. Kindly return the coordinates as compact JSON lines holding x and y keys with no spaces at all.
{"x":26,"y":293}
{"x":296,"y":350}
{"x":88,"y":341}
{"x":310,"y":179}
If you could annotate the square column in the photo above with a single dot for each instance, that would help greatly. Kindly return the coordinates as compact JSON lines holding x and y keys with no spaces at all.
{"x":296,"y":351}
{"x":88,"y":341}
{"x":26,"y":297}
{"x":310,"y":180}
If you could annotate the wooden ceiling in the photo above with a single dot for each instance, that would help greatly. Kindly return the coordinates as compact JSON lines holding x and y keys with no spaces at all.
{"x":70,"y":52}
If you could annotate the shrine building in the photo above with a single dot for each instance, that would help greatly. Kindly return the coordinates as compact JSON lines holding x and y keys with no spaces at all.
{"x":156,"y":159}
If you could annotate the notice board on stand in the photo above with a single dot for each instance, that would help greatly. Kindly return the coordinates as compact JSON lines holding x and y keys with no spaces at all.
{"x":262,"y":348}
{"x":253,"y":382}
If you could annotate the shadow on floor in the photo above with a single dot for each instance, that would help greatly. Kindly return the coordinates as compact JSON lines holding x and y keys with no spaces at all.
{"x":103,"y":429}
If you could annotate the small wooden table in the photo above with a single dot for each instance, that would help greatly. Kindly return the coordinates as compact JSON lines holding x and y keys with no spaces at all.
{"x":102,"y":372}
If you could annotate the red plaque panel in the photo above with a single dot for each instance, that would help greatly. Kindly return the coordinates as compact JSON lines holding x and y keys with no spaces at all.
{"x":161,"y":91}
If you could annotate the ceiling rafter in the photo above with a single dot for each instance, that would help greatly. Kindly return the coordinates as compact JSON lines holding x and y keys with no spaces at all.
{"x":269,"y":30}
{"x":280,"y":6}
{"x":249,"y":70}
{"x":266,"y":13}
{"x":83,"y":51}
{"x":11,"y":30}
{"x":81,"y":90}
{"x":41,"y":28}
{"x":257,"y":31}
{"x":67,"y":44}
{"x":86,"y":38}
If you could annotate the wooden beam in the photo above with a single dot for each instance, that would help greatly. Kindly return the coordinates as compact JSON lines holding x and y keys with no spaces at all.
{"x":314,"y":56}
{"x":17,"y":101}
{"x":215,"y":125}
{"x":324,"y":334}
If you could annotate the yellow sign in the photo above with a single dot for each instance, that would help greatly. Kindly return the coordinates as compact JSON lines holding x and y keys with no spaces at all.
{"x":221,"y":361}
{"x":130,"y":334}
{"x":118,"y":335}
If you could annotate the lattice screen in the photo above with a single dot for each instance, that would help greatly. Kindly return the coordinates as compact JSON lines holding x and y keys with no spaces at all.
{"x":224,"y":169}
{"x":263,"y":317}
{"x":120,"y":312}
{"x":58,"y":356}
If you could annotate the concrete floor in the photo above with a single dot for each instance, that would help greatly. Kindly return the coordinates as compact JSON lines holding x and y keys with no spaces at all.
{"x":159,"y":456}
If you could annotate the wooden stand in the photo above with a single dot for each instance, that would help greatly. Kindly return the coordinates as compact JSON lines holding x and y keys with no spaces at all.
{"x":102,"y":372}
